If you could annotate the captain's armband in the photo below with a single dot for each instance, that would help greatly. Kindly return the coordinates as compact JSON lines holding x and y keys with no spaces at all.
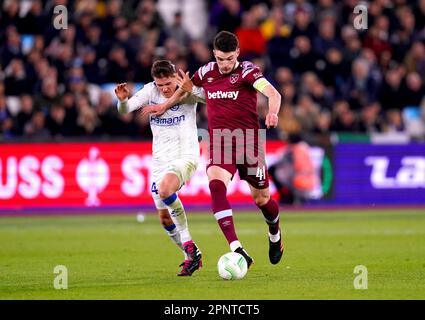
{"x":260,"y":84}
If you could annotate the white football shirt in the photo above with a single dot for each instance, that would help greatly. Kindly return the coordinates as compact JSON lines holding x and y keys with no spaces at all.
{"x":175,"y":132}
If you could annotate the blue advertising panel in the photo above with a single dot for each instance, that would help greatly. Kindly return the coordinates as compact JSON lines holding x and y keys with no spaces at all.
{"x":379,"y":174}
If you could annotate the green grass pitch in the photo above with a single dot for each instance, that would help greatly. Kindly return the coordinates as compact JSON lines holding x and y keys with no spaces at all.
{"x":116,"y":257}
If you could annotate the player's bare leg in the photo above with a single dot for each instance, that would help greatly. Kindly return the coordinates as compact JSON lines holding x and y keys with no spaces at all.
{"x":167,"y":191}
{"x":219,"y":178}
{"x":270,"y":210}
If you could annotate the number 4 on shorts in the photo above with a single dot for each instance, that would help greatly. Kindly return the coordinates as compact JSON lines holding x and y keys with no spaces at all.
{"x":154,"y":189}
{"x":261,"y":173}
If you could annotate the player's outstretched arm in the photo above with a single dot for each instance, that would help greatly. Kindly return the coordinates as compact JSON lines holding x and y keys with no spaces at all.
{"x":185,"y":88}
{"x":122,"y":93}
{"x":125,"y":103}
{"x":159,"y":109}
{"x":274,"y":105}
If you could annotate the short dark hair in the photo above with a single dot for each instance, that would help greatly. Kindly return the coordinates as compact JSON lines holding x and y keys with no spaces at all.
{"x":226,"y":41}
{"x":163,"y":69}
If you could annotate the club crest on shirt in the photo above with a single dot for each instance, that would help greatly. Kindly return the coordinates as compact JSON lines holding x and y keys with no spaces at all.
{"x":175,"y":107}
{"x":210,"y":80}
{"x":234,"y":77}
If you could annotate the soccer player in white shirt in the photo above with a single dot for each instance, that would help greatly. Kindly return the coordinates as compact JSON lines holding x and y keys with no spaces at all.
{"x":175,"y":151}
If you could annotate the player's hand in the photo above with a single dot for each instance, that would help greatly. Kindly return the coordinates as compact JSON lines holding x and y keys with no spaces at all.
{"x":271,"y":120}
{"x":184,"y":82}
{"x":121,"y":91}
{"x":155,"y":110}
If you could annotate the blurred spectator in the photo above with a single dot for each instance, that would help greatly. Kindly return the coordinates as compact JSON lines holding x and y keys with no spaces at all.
{"x":118,"y":66}
{"x":251,"y":41}
{"x":12,"y":48}
{"x":274,"y":25}
{"x":420,"y":14}
{"x":414,"y":60}
{"x":6,"y":120}
{"x":294,"y":174}
{"x":229,"y":16}
{"x":293,"y":7}
{"x":377,"y":37}
{"x":113,"y":12}
{"x":288,"y":92}
{"x":36,"y":127}
{"x":143,"y":64}
{"x":323,"y":123}
{"x":16,"y":81}
{"x":88,"y":122}
{"x":335,"y":72}
{"x":370,"y":121}
{"x":55,"y":121}
{"x":177,"y":32}
{"x":343,"y":118}
{"x":321,"y":96}
{"x":414,"y":89}
{"x":10,"y":15}
{"x":362,"y":88}
{"x":394,"y":121}
{"x":24,"y":115}
{"x":35,"y":20}
{"x":306,"y":112}
{"x":71,"y":114}
{"x":303,"y":58}
{"x":199,"y":55}
{"x":49,"y":95}
{"x":303,"y":25}
{"x":352,"y":43}
{"x":326,"y":37}
{"x":390,"y":96}
{"x":90,"y":65}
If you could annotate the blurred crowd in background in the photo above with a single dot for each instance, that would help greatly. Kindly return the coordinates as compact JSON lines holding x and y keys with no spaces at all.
{"x":333,"y":78}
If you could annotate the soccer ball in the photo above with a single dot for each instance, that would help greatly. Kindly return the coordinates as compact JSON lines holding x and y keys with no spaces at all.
{"x":232,"y":266}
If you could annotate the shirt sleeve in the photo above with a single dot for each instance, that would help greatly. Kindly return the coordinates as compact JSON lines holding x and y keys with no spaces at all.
{"x":196,"y":78}
{"x":200,"y":75}
{"x":139,"y":100}
{"x":199,"y":94}
{"x":251,"y":74}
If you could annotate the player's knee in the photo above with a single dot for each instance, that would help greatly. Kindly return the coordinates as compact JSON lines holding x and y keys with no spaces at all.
{"x":164,"y":192}
{"x":261,"y":199}
{"x":217,"y":187}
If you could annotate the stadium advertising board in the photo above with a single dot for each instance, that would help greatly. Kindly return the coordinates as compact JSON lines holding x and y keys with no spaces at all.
{"x":84,"y":175}
{"x":379,"y":174}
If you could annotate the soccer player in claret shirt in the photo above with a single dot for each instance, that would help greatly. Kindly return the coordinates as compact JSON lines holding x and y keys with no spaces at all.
{"x":175,"y":153}
{"x":231,"y":98}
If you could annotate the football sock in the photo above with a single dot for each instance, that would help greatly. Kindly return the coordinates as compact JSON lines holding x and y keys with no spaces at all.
{"x":178,"y":215}
{"x":222,"y":211}
{"x":274,"y":237}
{"x":175,"y":237}
{"x":271,"y":214}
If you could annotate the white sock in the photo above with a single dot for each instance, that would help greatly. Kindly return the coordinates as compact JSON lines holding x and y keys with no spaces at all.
{"x":178,"y":215}
{"x":175,"y":237}
{"x":234,"y":245}
{"x":274,"y":237}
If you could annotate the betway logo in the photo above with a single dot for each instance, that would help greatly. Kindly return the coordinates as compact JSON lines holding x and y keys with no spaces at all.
{"x":410,"y":175}
{"x":223,"y":95}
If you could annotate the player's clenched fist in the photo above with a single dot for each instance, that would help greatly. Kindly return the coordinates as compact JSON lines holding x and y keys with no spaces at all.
{"x":122,"y":91}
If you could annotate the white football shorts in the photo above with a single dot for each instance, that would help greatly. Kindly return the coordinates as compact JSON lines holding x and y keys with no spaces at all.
{"x":182,"y":168}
